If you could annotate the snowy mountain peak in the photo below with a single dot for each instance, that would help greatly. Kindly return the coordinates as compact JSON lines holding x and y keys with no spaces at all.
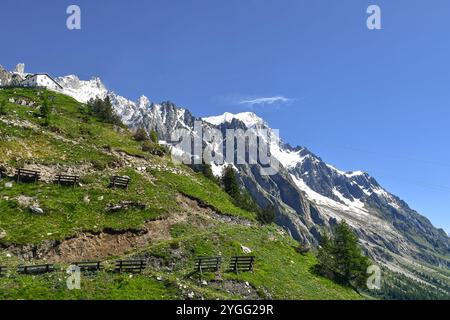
{"x":250,"y":119}
{"x":82,"y":90}
{"x":144,"y":102}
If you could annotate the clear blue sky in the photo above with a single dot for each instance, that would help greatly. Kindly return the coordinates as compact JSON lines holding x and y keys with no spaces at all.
{"x":378,"y":101}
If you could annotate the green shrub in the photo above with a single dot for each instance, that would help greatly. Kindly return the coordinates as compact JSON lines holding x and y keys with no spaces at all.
{"x":266,"y":215}
{"x":154,"y":136}
{"x":2,"y":108}
{"x":154,"y":148}
{"x":140,"y":134}
{"x":99,"y":165}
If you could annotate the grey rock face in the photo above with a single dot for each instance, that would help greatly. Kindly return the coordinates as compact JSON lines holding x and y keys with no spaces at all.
{"x":20,"y":68}
{"x":385,"y":224}
{"x":5,"y":77}
{"x":16,"y":79}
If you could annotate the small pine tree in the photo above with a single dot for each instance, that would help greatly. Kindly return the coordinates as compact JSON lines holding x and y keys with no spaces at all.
{"x":141,"y":134}
{"x":207,"y":171}
{"x":341,"y":259}
{"x":351,"y":265}
{"x":230,"y":183}
{"x":45,"y":110}
{"x":325,"y":258}
{"x":266,"y":215}
{"x":154,"y":136}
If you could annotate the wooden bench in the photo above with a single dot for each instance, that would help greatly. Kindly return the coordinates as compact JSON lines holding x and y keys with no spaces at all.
{"x":208,"y":264}
{"x":37,"y":269}
{"x":119,"y":182}
{"x":67,"y":180}
{"x":24,"y":175}
{"x":242,"y":263}
{"x":133,"y":266}
{"x":89,"y":266}
{"x":3,"y":271}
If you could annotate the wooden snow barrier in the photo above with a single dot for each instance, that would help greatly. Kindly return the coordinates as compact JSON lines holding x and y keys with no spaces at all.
{"x":89,"y":266}
{"x":36,"y":269}
{"x":66,"y":180}
{"x":24,"y":175}
{"x":208,"y":264}
{"x":242,"y":263}
{"x":132,"y":266}
{"x":119,"y":182}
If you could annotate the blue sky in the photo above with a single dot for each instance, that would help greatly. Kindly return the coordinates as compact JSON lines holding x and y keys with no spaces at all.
{"x":377,"y":101}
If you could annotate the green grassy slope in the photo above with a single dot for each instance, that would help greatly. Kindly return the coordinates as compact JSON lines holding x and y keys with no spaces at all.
{"x":76,"y":142}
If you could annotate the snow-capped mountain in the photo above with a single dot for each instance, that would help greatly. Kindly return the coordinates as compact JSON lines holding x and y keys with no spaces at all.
{"x":312,"y":195}
{"x":81,"y":90}
{"x":309,"y":194}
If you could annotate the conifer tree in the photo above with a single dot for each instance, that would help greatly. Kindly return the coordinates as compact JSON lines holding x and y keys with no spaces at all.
{"x":341,"y":258}
{"x":154,"y":136}
{"x":230,"y":183}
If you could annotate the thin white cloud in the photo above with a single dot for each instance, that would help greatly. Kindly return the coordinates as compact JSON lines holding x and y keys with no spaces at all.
{"x":266,"y":101}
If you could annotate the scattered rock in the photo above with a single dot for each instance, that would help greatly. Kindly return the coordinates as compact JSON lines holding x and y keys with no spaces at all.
{"x":36,"y":210}
{"x":100,"y":198}
{"x":8,"y":185}
{"x":125,"y":205}
{"x":26,"y":202}
{"x":242,"y":289}
{"x":204,"y":283}
{"x":2,"y":234}
{"x":86,"y":199}
{"x":245,"y":249}
{"x":191,"y":295}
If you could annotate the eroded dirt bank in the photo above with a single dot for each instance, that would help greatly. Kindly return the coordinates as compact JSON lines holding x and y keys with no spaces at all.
{"x":101,"y":245}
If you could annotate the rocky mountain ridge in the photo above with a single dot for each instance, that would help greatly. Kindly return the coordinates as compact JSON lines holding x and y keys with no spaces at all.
{"x":309,"y":195}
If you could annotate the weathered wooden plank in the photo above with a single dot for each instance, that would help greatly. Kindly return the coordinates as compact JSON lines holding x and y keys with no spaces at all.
{"x":242,"y":263}
{"x":36,"y":269}
{"x":25,"y":175}
{"x":89,"y":265}
{"x":130,"y":265}
{"x":119,"y":182}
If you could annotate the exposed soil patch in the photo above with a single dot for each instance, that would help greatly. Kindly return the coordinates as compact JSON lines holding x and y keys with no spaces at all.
{"x":101,"y":245}
{"x":88,"y":246}
{"x":192,"y":205}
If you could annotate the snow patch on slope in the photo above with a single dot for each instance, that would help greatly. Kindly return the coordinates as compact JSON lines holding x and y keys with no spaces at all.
{"x":356,"y":206}
{"x":248,"y":118}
